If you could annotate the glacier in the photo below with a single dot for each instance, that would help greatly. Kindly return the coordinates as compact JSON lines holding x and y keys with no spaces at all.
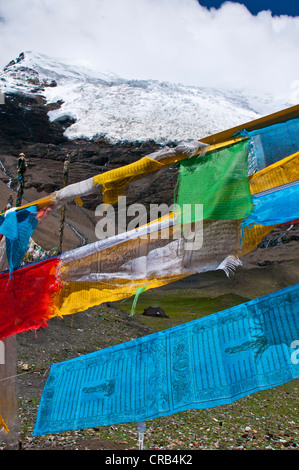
{"x":103,"y":105}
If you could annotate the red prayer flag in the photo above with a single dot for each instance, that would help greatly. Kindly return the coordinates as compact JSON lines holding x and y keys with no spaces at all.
{"x":26,"y":297}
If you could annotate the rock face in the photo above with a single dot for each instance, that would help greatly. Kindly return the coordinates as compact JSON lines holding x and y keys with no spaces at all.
{"x":25,"y":127}
{"x":23,"y":119}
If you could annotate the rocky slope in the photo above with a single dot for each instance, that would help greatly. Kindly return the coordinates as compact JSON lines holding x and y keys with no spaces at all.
{"x":25,"y":127}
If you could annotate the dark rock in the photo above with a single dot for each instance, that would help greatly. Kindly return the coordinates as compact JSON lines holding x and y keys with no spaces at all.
{"x":155,"y":312}
{"x":24,"y":119}
{"x":65,"y":121}
{"x":14,"y":62}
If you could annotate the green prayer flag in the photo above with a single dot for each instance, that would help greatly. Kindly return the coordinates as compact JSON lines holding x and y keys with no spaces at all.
{"x":219,"y":181}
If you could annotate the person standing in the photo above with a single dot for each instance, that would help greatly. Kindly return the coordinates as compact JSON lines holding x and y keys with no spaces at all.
{"x":22,"y":167}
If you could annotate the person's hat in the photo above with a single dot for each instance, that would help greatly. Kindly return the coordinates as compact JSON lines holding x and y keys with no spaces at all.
{"x":21,"y":155}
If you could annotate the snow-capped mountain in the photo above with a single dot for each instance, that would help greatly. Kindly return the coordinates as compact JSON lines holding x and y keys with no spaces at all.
{"x":105,"y":105}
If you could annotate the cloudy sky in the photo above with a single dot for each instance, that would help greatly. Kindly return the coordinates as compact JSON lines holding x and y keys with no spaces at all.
{"x":226,"y":46}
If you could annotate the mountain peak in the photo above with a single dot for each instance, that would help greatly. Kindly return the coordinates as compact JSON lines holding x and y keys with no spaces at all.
{"x":105,"y":105}
{"x":16,"y":61}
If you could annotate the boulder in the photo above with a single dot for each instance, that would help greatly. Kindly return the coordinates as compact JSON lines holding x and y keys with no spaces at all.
{"x":155,"y":312}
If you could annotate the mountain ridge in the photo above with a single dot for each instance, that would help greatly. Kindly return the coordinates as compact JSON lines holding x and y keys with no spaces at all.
{"x":93,"y":106}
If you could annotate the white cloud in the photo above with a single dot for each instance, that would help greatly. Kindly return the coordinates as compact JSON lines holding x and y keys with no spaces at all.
{"x":168,"y":40}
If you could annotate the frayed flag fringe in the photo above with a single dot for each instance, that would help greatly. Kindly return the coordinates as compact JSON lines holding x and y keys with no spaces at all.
{"x":230,"y":264}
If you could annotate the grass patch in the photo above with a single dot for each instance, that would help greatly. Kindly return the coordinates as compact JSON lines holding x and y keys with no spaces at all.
{"x":181,"y":306}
